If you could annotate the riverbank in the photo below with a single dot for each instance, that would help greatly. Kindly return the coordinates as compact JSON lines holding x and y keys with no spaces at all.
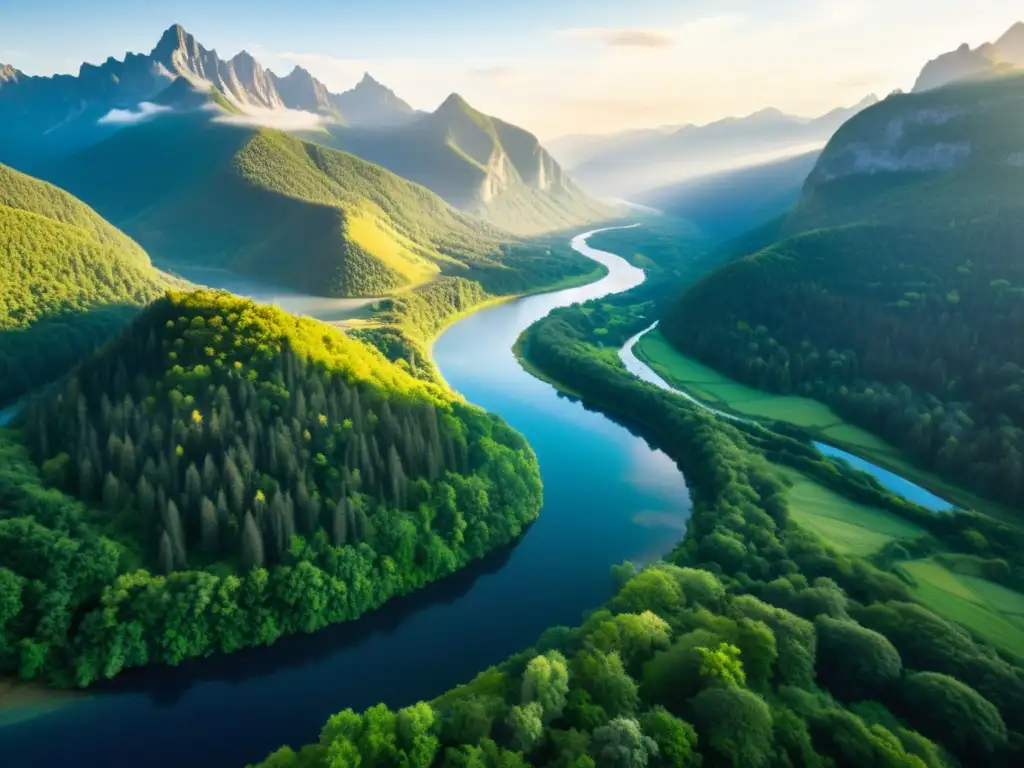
{"x":20,"y":701}
{"x":815,"y":419}
{"x":578,"y":345}
{"x":576,"y":281}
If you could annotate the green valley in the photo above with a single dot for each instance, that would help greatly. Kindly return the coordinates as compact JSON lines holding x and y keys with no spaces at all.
{"x":810,"y":416}
{"x":68,"y":280}
{"x":318,"y":401}
{"x":262,"y":203}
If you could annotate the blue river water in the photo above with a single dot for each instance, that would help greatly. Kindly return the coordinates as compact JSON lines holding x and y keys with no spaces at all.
{"x":608,"y":497}
{"x":890,"y":480}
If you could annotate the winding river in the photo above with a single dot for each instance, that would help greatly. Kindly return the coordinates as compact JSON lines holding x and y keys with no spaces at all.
{"x":608,"y":497}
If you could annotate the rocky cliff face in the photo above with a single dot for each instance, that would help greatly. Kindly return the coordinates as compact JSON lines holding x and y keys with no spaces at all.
{"x":8,"y":74}
{"x":300,"y":90}
{"x":938,"y":131}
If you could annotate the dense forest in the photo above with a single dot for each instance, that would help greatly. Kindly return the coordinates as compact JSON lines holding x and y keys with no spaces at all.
{"x":897,"y":299}
{"x":754,"y":644}
{"x":245,"y":474}
{"x":68,"y":281}
{"x":220,"y":195}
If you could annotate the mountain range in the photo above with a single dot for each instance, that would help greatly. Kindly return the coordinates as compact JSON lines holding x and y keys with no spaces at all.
{"x":628,"y":163}
{"x":727,"y":204}
{"x":477,"y":163}
{"x":264,"y":203}
{"x":61,"y":112}
{"x":965,"y":63}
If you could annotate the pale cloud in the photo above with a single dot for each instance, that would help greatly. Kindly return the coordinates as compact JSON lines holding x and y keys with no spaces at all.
{"x":144,"y":111}
{"x":280,"y":119}
{"x":638,"y":37}
{"x":631,"y":38}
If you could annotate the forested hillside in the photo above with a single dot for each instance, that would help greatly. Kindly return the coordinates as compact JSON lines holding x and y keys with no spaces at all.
{"x":68,"y":280}
{"x":896,"y":291}
{"x":262,"y":203}
{"x":243,"y":474}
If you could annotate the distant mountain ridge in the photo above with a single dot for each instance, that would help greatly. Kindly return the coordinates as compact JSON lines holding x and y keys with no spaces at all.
{"x":893,"y":289}
{"x":646,"y":159}
{"x":475,"y":162}
{"x":965,"y":63}
{"x":43,"y":117}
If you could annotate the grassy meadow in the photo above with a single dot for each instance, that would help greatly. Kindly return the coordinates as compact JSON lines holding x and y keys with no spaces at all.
{"x":719,"y":391}
{"x":852,"y":528}
{"x":991,"y":611}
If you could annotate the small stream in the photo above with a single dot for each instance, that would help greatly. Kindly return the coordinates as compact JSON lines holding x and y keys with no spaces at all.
{"x":892,"y":481}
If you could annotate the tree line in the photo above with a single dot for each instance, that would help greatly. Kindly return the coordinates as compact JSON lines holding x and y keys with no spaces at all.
{"x":908,"y":332}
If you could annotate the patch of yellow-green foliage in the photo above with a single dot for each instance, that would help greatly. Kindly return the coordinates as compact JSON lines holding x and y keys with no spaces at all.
{"x":264,"y":204}
{"x":63,"y":271}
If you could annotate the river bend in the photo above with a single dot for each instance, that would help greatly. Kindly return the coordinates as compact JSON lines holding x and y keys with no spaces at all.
{"x":608,"y":497}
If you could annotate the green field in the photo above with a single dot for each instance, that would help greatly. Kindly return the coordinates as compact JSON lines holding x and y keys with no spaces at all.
{"x":989,"y":610}
{"x":850,"y":527}
{"x":719,"y":391}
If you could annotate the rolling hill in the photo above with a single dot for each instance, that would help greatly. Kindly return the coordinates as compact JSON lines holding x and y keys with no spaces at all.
{"x":263,"y":203}
{"x":894,"y":290}
{"x":68,"y":279}
{"x":481,"y":165}
{"x":228,"y":450}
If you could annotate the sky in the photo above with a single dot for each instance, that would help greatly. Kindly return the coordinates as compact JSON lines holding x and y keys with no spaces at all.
{"x":554,"y":67}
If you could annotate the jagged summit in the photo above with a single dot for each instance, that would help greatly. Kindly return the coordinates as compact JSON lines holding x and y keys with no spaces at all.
{"x":371,"y":104}
{"x":454,"y":103}
{"x":8,"y":73}
{"x":175,"y":38}
{"x":965,"y":63}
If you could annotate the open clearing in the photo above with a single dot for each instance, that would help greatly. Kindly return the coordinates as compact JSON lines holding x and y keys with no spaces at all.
{"x":850,"y":527}
{"x":990,"y":610}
